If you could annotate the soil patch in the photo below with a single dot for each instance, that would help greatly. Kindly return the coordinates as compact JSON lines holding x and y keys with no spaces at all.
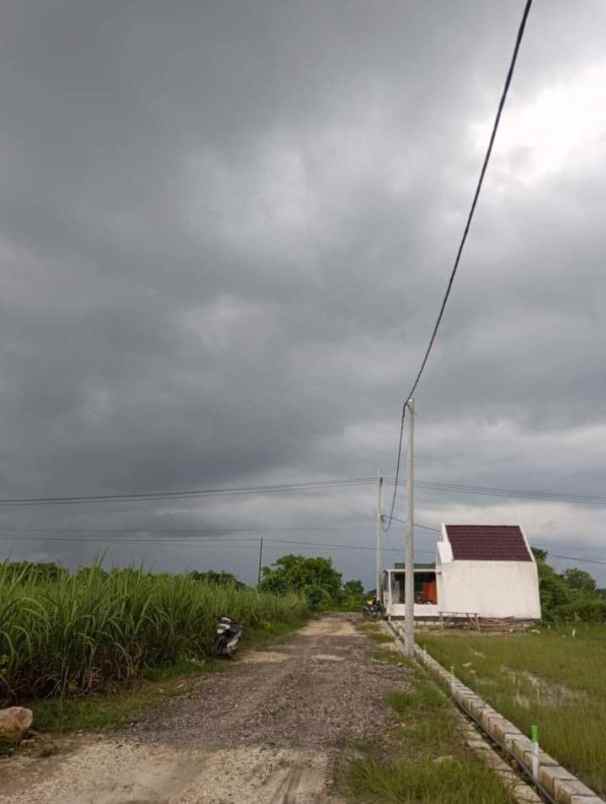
{"x":261,"y":657}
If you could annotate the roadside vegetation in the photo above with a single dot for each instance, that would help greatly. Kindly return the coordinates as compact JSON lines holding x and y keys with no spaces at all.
{"x":554,"y":677}
{"x":64,"y":634}
{"x":423,"y":757}
{"x":570,"y":596}
{"x":123,"y":704}
{"x":316,"y":579}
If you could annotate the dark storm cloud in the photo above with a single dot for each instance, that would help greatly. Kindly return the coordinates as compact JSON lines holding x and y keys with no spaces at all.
{"x":224,"y":233}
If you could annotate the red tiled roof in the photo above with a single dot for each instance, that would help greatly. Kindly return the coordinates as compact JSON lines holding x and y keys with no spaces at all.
{"x":487,"y":543}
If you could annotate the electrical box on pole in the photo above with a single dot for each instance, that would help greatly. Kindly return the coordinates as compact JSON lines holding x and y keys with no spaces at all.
{"x":409,"y":553}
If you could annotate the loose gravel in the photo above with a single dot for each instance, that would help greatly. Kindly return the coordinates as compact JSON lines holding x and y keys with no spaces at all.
{"x":268,"y":730}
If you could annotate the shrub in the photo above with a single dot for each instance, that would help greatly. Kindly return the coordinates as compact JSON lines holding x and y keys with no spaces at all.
{"x":583,"y":609}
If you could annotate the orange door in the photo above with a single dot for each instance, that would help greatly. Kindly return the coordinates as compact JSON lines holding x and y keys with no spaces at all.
{"x":430,"y":592}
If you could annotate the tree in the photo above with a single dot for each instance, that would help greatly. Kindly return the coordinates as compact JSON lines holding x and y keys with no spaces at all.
{"x":353,"y":588}
{"x":579,"y":580}
{"x":219,"y":578}
{"x":315,"y":577}
{"x":553,"y":589}
{"x":570,"y":596}
{"x":352,"y":595}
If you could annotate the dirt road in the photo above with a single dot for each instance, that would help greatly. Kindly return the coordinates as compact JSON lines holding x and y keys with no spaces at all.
{"x":267,"y":731}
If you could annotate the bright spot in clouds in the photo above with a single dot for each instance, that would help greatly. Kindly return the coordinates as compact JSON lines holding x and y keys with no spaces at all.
{"x":564,"y":125}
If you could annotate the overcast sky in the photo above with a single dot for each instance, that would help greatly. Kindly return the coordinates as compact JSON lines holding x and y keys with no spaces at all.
{"x":225,"y":231}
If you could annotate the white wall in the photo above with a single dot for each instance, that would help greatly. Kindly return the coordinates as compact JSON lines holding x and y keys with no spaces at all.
{"x":490,"y":588}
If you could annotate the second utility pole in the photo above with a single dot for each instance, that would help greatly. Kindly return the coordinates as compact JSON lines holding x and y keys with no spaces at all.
{"x":260,"y":570}
{"x":409,"y":553}
{"x":379,"y":590}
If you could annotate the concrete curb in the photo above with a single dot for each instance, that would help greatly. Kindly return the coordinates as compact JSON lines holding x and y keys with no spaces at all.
{"x":561,"y":785}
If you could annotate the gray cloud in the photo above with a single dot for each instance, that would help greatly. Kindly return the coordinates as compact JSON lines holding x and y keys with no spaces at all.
{"x":224,"y":235}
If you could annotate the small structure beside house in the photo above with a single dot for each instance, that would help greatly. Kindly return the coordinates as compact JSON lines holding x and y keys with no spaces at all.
{"x":480,"y":571}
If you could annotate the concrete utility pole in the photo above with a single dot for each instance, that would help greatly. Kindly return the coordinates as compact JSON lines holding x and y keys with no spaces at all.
{"x":380,"y":539}
{"x":260,"y":561}
{"x":409,"y":553}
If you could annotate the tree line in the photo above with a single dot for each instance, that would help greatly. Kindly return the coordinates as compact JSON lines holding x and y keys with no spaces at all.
{"x":572,"y":595}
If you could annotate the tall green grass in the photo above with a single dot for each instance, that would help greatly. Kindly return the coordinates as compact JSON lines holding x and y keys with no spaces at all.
{"x":90,"y":629}
{"x":550,"y":678}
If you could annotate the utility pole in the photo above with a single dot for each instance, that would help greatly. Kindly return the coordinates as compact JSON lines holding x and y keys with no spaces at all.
{"x":409,"y":553}
{"x":260,"y":560}
{"x":380,"y":538}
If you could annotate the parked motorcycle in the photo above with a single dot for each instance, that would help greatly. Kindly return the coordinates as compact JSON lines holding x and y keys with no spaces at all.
{"x":373,"y":609}
{"x":228,"y":636}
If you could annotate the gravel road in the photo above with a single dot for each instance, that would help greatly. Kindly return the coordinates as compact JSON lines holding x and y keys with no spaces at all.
{"x":266,"y":731}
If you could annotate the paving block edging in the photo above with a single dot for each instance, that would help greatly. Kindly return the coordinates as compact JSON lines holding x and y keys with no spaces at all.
{"x":561,"y":785}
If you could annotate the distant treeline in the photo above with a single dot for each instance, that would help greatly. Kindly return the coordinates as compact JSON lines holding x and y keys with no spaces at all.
{"x":569,"y":596}
{"x":41,"y":572}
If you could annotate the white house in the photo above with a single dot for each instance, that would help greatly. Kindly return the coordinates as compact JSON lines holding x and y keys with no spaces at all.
{"x":480,"y":571}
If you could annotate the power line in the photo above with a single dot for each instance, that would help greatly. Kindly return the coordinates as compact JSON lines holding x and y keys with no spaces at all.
{"x":417,"y":524}
{"x":577,"y":558}
{"x":188,"y":532}
{"x":497,"y":491}
{"x":580,"y":559}
{"x":240,"y":542}
{"x":237,"y":542}
{"x":531,"y":494}
{"x":396,"y":484}
{"x":115,"y":539}
{"x":462,"y":242}
{"x":309,"y":485}
{"x":340,"y":546}
{"x":476,"y":195}
{"x":279,"y":488}
{"x":247,"y":543}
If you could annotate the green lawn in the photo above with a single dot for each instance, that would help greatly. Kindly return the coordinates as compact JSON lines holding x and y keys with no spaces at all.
{"x":555,"y":678}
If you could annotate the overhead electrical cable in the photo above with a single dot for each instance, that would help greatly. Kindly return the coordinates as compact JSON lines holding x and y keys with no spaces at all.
{"x":529,"y":494}
{"x":280,"y":488}
{"x":476,"y":196}
{"x":396,"y":481}
{"x":320,"y":485}
{"x":466,"y":229}
{"x":246,"y":543}
{"x":577,"y":558}
{"x":417,"y":524}
{"x":237,"y":542}
{"x":187,"y":532}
